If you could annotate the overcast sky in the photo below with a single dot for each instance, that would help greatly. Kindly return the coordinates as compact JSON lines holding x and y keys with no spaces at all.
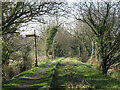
{"x":30,"y":28}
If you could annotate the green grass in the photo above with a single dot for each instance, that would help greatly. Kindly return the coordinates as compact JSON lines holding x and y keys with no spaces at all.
{"x":21,"y":78}
{"x":63,"y":73}
{"x":78,"y":73}
{"x":45,"y":78}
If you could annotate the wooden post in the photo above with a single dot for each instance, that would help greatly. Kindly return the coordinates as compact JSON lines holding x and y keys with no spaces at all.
{"x":34,"y":35}
{"x":35,"y":49}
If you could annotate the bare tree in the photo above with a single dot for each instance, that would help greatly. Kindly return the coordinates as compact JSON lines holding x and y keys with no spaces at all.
{"x":15,"y":13}
{"x":101,"y":17}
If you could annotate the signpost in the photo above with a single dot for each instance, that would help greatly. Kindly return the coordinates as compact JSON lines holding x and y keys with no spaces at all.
{"x":34,"y":35}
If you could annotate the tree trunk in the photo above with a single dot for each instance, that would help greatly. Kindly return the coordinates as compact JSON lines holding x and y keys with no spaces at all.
{"x":79,"y":53}
{"x":86,"y":48}
{"x":104,"y":69}
{"x":47,"y":53}
{"x":103,"y":60}
{"x":93,"y":52}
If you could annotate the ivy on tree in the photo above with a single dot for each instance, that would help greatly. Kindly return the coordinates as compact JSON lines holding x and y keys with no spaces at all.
{"x":51,"y":32}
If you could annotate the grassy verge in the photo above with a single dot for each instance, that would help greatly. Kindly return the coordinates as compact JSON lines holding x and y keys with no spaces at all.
{"x":22,"y":77}
{"x":75,"y":74}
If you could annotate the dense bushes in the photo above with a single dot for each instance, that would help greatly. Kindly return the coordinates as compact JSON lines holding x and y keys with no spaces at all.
{"x":15,"y":56}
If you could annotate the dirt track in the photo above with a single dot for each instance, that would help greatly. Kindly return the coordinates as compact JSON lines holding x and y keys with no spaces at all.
{"x":35,"y":76}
